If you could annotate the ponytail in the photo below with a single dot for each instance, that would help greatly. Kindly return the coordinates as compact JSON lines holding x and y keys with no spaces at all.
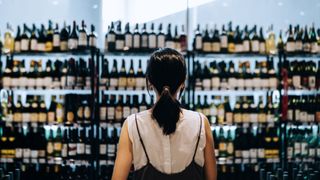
{"x":167,"y":111}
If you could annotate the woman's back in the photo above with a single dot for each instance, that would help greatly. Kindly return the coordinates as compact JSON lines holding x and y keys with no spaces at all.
{"x":167,"y":153}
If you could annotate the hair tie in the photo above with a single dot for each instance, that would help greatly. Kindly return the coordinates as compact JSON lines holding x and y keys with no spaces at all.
{"x":166,"y":88}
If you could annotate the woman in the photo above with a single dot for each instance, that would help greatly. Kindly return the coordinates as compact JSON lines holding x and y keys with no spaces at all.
{"x":167,"y":141}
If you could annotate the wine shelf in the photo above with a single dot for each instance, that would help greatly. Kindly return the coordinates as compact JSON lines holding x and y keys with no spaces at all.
{"x":50,"y":91}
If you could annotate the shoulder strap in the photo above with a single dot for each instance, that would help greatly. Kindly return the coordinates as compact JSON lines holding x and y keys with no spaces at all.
{"x":144,"y":148}
{"x":195,"y":151}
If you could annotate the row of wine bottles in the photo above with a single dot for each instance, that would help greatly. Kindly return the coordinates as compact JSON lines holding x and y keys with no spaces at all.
{"x":143,"y":41}
{"x":219,"y":76}
{"x":302,"y":74}
{"x":10,"y":175}
{"x":115,"y":108}
{"x":69,"y":109}
{"x":34,"y":145}
{"x":49,"y":39}
{"x":49,"y":171}
{"x":304,"y":109}
{"x":293,"y":171}
{"x":245,"y":111}
{"x":302,"y":143}
{"x":247,"y":146}
{"x":67,"y":74}
{"x":122,"y":79}
{"x":303,"y":41}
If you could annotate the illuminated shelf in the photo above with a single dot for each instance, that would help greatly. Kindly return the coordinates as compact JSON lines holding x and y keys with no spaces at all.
{"x":226,"y":55}
{"x":50,"y":54}
{"x":127,"y":92}
{"x":249,"y":92}
{"x":50,"y":91}
{"x":130,"y":54}
{"x":301,"y":92}
{"x":303,"y":55}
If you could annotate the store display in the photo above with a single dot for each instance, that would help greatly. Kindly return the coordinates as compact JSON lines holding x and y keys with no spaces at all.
{"x":222,"y":76}
{"x":48,"y":39}
{"x":144,"y":40}
{"x":67,"y":74}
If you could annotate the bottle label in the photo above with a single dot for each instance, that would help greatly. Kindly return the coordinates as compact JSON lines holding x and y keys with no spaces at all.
{"x":51,"y":117}
{"x":18,"y":153}
{"x":24,"y":44}
{"x":6,"y":82}
{"x":111,"y":148}
{"x":128,"y":41}
{"x":72,"y":44}
{"x":297,"y":148}
{"x":34,"y":117}
{"x":232,"y":82}
{"x":262,"y":47}
{"x":111,"y":113}
{"x":103,"y":149}
{"x":246,"y":46}
{"x":314,"y":47}
{"x":136,"y":41}
{"x":92,"y":41}
{"x":222,"y":147}
{"x":237,"y":117}
{"x":122,"y":82}
{"x":215,"y":82}
{"x":298,"y":46}
{"x":134,"y":110}
{"x":245,"y":153}
{"x":42,"y":153}
{"x":140,"y":83}
{"x":31,"y":82}
{"x":103,"y":113}
{"x":39,"y":82}
{"x":206,"y":84}
{"x":56,"y":40}
{"x":17,"y":46}
{"x":57,"y":146}
{"x":261,"y":153}
{"x":248,"y":83}
{"x":206,"y":112}
{"x":240,"y":83}
{"x":224,"y":41}
{"x":25,"y":117}
{"x":26,"y":153}
{"x":290,"y":115}
{"x":50,"y":148}
{"x":290,"y":152}
{"x":152,"y":41}
{"x":253,"y":153}
{"x":297,"y":114}
{"x":170,"y":44}
{"x":318,"y":152}
{"x":230,"y":148}
{"x":303,"y":116}
{"x":216,"y":47}
{"x":34,"y":153}
{"x":304,"y":149}
{"x":311,"y":117}
{"x":255,"y":46}
{"x":83,"y":39}
{"x":312,"y":82}
{"x":63,"y":45}
{"x":273,"y":83}
{"x":198,"y":43}
{"x":80,"y":148}
{"x":290,"y":47}
{"x":41,"y":47}
{"x":126,"y":112}
{"x":113,"y":82}
{"x":33,"y":45}
{"x":312,"y":152}
{"x":131,"y":83}
{"x":70,"y":116}
{"x":59,"y":114}
{"x":71,"y":81}
{"x":47,"y":82}
{"x":238,"y":48}
{"x":111,"y":38}
{"x":88,"y":149}
{"x":144,"y":41}
{"x":161,"y":41}
{"x":142,"y":108}
{"x":207,"y":47}
{"x":17,"y":117}
{"x":64,"y":150}
{"x":119,"y":45}
{"x":23,"y":81}
{"x":229,"y":116}
{"x":296,"y":81}
{"x":306,"y":47}
{"x":72,"y":149}
{"x":253,"y":117}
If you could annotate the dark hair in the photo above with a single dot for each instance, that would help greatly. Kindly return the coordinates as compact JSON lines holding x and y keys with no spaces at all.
{"x":166,"y":71}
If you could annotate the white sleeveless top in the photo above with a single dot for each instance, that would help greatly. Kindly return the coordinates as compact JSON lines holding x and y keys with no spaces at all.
{"x":167,"y":153}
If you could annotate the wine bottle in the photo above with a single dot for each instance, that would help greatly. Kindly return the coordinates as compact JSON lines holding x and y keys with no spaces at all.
{"x":176,"y":39}
{"x":160,"y":37}
{"x":73,"y":38}
{"x":198,"y":40}
{"x":49,"y":38}
{"x":131,"y":80}
{"x":56,"y":39}
{"x":231,"y":43}
{"x":255,"y":41}
{"x":246,"y":41}
{"x":136,"y":38}
{"x":262,"y":43}
{"x":127,"y":38}
{"x":122,"y":77}
{"x":118,"y":109}
{"x":41,"y":45}
{"x":104,"y":80}
{"x":24,"y":40}
{"x":290,"y":44}
{"x":169,"y":42}
{"x":111,"y":39}
{"x":224,"y":40}
{"x":59,"y":111}
{"x":64,"y":38}
{"x":152,"y":39}
{"x":114,"y":76}
{"x":83,"y":37}
{"x":120,"y":38}
{"x":140,"y":78}
{"x":92,"y":38}
{"x":17,"y":41}
{"x":144,"y":38}
{"x":215,"y":42}
{"x":206,"y":42}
